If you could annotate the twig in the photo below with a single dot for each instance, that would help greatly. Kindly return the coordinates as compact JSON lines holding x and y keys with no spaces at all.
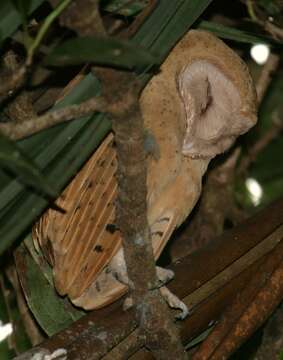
{"x":266,"y":75}
{"x":18,"y":131}
{"x":260,"y":145}
{"x":275,"y":31}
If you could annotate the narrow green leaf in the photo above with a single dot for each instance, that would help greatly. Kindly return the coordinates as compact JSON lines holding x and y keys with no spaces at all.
{"x":44,"y":28}
{"x":101,"y":51}
{"x":169,"y":22}
{"x":51,"y":311}
{"x":230,"y":33}
{"x":15,"y":161}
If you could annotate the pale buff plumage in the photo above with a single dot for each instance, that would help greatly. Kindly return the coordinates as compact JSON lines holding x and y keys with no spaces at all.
{"x":200,"y":101}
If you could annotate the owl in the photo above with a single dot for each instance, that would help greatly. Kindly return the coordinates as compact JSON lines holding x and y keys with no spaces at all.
{"x":194,"y":108}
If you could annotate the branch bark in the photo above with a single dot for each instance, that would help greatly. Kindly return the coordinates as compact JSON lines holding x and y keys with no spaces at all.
{"x":20,"y":108}
{"x":18,"y":131}
{"x":155,"y":319}
{"x":12,"y":81}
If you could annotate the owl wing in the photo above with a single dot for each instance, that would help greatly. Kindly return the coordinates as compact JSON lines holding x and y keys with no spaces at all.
{"x":81,"y":242}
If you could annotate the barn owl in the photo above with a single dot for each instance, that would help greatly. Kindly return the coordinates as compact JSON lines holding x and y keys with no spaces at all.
{"x":202,"y":98}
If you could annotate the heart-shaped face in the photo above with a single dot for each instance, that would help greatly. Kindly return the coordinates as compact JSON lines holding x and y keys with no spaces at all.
{"x":193,"y":109}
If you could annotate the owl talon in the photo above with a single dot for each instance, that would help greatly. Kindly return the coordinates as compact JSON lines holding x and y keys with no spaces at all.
{"x":184,"y":311}
{"x":174,"y":302}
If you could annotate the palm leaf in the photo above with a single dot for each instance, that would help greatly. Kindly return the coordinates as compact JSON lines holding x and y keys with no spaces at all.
{"x":62,"y":150}
{"x":230,"y":33}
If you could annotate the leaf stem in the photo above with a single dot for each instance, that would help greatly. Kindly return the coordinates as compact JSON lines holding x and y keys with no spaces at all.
{"x":251,"y":11}
{"x":42,"y":31}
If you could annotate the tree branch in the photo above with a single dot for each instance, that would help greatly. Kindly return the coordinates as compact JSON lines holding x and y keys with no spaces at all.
{"x":20,"y":108}
{"x":261,"y":144}
{"x":266,"y":75}
{"x":12,"y":81}
{"x":155,"y":319}
{"x":18,"y":131}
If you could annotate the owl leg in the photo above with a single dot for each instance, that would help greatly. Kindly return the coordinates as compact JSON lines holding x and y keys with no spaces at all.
{"x":174,"y":302}
{"x":164,"y":276}
{"x":118,"y":269}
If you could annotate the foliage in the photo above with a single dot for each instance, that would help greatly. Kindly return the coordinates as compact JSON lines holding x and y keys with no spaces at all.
{"x":101,"y":51}
{"x":44,"y":147}
{"x":36,"y":169}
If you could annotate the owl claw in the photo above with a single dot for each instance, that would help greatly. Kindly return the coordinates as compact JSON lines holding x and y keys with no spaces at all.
{"x":174,"y":302}
{"x":184,"y":311}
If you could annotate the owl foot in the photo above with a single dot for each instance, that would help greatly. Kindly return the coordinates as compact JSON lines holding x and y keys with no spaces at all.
{"x":174,"y":302}
{"x":163,"y":277}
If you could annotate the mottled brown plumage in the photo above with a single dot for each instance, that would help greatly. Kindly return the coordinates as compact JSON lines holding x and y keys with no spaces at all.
{"x":194,"y":108}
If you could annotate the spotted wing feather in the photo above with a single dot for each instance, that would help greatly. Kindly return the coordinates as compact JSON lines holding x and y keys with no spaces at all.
{"x":82,"y":241}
